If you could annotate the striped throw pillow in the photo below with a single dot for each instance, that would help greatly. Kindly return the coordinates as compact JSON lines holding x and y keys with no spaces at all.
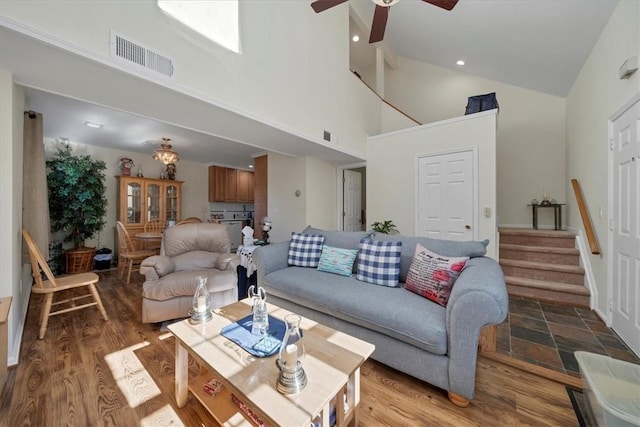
{"x":337,"y":260}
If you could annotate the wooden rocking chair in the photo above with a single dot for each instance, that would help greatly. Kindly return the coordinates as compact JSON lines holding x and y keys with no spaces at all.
{"x":64,"y":283}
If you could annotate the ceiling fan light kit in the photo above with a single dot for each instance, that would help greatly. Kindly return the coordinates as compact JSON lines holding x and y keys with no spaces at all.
{"x":381,"y":13}
{"x":165,"y":153}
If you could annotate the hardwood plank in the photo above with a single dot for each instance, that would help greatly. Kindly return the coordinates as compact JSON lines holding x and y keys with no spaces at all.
{"x":121,"y":372}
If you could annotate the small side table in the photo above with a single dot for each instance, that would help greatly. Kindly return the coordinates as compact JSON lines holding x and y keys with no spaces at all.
{"x":557,"y":214}
{"x":5,"y":305}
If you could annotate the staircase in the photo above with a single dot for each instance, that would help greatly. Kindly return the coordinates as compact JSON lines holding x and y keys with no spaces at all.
{"x":543,"y":265}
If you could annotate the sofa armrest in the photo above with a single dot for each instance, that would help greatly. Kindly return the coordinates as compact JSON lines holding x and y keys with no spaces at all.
{"x":478,"y":299}
{"x":156,"y":266}
{"x":270,"y":258}
{"x":227,"y":261}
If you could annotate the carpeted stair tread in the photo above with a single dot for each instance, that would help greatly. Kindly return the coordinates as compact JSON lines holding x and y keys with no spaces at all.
{"x":543,"y":249}
{"x":536,"y":233}
{"x":575,"y":269}
{"x":547,"y":285}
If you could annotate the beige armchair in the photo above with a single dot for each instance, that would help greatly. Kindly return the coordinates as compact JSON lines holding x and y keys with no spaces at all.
{"x":188,"y":251}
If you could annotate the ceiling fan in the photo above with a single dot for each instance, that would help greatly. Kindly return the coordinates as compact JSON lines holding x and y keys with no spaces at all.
{"x":381,"y":13}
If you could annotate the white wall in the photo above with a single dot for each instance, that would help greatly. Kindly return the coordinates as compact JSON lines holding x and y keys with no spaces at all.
{"x":12,"y":274}
{"x":392,"y":120}
{"x":287,"y":212}
{"x":597,"y":94}
{"x":195,"y":190}
{"x":296,"y":82}
{"x":321,"y":194}
{"x":531,"y":127}
{"x":391,"y":169}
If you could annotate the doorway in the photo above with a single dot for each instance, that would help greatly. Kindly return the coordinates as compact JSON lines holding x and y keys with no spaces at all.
{"x":624,"y":234}
{"x":352,"y":194}
{"x":447,"y":196}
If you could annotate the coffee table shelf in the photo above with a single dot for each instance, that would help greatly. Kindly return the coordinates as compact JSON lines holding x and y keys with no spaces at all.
{"x":221,"y":407}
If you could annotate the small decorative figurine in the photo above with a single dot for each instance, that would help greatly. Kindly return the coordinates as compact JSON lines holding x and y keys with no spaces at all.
{"x":125,"y":166}
{"x":171,"y":171}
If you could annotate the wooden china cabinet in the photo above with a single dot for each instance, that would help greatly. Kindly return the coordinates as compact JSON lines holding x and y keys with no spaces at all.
{"x":143,"y":199}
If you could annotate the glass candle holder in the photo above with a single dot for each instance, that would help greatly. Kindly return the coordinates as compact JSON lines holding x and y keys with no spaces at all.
{"x":201,"y":303}
{"x":292,"y":348}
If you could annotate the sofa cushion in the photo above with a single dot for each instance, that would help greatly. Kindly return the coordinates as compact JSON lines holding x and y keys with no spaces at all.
{"x":379,"y":262}
{"x":391,"y":311}
{"x":432,"y":275}
{"x":184,"y":283}
{"x":195,"y":259}
{"x":337,"y":260}
{"x":443,"y":247}
{"x":305,"y":249}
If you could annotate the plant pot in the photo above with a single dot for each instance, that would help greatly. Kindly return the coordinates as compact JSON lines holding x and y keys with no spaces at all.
{"x":80,"y":260}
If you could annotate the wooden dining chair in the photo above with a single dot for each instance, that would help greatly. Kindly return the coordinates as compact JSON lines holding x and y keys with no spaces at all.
{"x":191,"y":219}
{"x":128,"y":255}
{"x":53,"y":285}
{"x":157,"y":225}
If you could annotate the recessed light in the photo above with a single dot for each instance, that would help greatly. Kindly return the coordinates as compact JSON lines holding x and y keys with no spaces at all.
{"x":460,"y":62}
{"x":251,"y":166}
{"x":355,"y":38}
{"x":93,"y":125}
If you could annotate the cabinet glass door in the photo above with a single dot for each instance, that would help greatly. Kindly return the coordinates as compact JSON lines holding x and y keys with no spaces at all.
{"x":134,"y":203}
{"x":153,"y":201}
{"x":171,"y":202}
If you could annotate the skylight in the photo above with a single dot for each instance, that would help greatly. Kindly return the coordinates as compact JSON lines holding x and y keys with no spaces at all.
{"x":215,"y":20}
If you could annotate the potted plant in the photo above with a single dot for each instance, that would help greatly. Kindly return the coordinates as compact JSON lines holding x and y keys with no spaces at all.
{"x":385,"y":227}
{"x":77,"y":203}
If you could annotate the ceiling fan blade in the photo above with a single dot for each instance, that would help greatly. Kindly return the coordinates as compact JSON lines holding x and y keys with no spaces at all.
{"x":379,"y":24}
{"x":322,"y":5}
{"x":445,"y":4}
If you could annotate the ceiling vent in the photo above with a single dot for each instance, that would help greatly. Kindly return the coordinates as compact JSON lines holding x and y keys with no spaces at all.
{"x":141,"y":56}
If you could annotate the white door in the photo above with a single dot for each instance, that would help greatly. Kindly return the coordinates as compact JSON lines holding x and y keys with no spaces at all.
{"x":352,"y":200}
{"x":446,"y":196}
{"x":625,"y":287}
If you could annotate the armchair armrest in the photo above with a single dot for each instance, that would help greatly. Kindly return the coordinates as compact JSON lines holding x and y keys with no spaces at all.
{"x":227,"y":261}
{"x":478,"y":299}
{"x":156,"y":266}
{"x":270,"y":258}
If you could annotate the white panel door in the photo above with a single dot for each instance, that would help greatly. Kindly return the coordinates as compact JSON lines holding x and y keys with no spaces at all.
{"x":625,"y":292}
{"x":445,"y":196}
{"x":352,"y":200}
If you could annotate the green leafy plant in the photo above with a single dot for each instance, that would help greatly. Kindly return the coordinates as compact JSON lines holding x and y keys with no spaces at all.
{"x":385,"y":227}
{"x":77,"y":201}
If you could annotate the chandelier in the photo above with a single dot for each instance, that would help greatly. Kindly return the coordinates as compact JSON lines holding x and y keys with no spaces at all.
{"x":165,"y":154}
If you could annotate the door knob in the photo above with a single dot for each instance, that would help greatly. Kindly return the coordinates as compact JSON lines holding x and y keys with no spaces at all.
{"x":467,"y":227}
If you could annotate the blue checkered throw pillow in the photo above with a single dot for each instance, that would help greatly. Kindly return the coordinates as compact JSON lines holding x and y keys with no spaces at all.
{"x":305,"y":249}
{"x":379,"y":262}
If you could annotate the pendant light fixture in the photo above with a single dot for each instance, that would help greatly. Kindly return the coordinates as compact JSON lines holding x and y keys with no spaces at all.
{"x":165,"y":153}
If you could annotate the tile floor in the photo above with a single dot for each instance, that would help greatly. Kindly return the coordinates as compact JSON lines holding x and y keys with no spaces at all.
{"x":547,"y":335}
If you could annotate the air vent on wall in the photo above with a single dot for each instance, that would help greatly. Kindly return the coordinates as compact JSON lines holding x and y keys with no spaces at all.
{"x":135,"y":53}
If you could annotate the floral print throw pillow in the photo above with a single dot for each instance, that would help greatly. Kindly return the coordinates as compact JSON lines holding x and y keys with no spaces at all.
{"x":432,"y":275}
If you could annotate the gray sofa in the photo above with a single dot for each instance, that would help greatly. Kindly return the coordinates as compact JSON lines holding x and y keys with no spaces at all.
{"x":412,"y":334}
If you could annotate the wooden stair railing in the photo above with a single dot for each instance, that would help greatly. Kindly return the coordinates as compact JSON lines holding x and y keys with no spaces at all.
{"x":586,"y":219}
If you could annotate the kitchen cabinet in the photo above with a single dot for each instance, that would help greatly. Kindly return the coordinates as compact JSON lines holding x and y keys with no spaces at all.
{"x":142,"y":199}
{"x":230,"y":185}
{"x":245,"y":186}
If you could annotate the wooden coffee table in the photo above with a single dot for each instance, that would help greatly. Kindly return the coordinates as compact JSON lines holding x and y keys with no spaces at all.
{"x":332,"y":364}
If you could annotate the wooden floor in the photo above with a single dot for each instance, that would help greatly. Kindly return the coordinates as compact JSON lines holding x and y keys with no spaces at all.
{"x":88,"y":372}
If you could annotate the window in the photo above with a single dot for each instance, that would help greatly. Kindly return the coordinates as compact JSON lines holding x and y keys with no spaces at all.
{"x":216,"y":20}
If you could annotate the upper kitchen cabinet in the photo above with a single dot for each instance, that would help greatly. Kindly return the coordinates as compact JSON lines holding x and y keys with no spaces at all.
{"x":230,"y":185}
